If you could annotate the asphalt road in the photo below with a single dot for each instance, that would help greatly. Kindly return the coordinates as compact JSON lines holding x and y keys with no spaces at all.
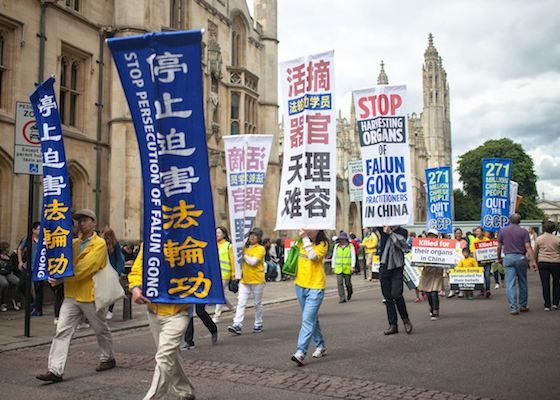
{"x":476,"y":349}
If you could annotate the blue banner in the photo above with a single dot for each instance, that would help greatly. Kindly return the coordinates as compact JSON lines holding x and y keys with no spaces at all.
{"x":54,"y":249}
{"x":439,"y":210}
{"x":496,"y":174}
{"x":161,"y":74}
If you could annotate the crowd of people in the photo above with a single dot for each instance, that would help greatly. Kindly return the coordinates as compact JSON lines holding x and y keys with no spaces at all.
{"x":382,"y":253}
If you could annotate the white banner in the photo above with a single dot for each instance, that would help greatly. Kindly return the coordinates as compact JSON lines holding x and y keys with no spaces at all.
{"x":513,"y":189}
{"x":434,"y":252}
{"x":355,"y":180}
{"x":246,"y":163}
{"x":382,"y":127}
{"x":307,"y":195}
{"x":486,"y":251}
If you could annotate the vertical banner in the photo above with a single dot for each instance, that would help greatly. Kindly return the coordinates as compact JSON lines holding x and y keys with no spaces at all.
{"x":161,"y":74}
{"x":496,"y":175}
{"x":246,"y":163}
{"x":381,"y":117}
{"x":307,"y":195}
{"x":54,"y":250}
{"x":355,"y":180}
{"x":513,"y":190}
{"x":439,"y":212}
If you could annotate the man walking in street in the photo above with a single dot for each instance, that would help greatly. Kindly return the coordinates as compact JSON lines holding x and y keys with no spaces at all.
{"x":168,"y":323}
{"x":90,"y":256}
{"x":343,"y":264}
{"x":516,"y":244}
{"x":393,"y":247}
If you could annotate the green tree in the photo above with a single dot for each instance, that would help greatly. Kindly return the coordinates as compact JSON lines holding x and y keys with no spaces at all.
{"x":464,"y":208}
{"x":523,"y":172}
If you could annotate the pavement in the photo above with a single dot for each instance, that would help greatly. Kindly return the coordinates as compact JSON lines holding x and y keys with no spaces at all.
{"x":475,"y":350}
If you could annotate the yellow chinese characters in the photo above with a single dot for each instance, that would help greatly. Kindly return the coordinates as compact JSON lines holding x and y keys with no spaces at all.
{"x":56,"y":238}
{"x":181,"y":216}
{"x":189,"y":285}
{"x":189,"y":252}
{"x":55,"y":211}
{"x":57,"y":265}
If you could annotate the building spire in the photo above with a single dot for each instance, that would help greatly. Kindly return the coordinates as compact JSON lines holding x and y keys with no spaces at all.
{"x":431,"y":51}
{"x":382,"y":78}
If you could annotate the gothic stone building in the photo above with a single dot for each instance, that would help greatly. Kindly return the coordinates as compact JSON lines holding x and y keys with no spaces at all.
{"x":66,"y":38}
{"x":429,"y":140}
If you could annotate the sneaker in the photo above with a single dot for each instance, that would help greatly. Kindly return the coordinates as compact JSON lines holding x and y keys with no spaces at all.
{"x":450,"y":295}
{"x":497,"y":286}
{"x":109,"y":315}
{"x":105,"y":365}
{"x":524,"y":309}
{"x":461,"y":294}
{"x":547,"y":309}
{"x":234,"y":329}
{"x":215,"y":337}
{"x":515,"y":312}
{"x":49,"y":377}
{"x":83,"y":325}
{"x":36,"y":313}
{"x":257,"y":329}
{"x":55,"y":321}
{"x":555,"y":307}
{"x":3,"y":308}
{"x":16,"y":304}
{"x":187,"y":346}
{"x":298,"y":358}
{"x":319,"y":352}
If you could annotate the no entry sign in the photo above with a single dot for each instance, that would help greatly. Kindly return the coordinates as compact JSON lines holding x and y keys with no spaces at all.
{"x":27,"y":151}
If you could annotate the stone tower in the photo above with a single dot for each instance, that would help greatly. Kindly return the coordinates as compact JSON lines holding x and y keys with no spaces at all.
{"x":435,"y":115}
{"x":382,"y":78}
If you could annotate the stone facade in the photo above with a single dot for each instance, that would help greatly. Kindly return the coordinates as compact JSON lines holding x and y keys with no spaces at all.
{"x":240,"y":90}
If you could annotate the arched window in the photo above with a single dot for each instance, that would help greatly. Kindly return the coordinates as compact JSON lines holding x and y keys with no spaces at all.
{"x":235,"y":97}
{"x":80,"y":190}
{"x":6,"y":184}
{"x":238,"y":40}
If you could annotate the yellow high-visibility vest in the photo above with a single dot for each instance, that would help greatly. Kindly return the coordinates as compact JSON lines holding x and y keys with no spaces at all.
{"x":343,"y":260}
{"x":225,"y":266}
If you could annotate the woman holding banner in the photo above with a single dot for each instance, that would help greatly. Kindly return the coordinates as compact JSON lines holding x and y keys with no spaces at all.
{"x":431,"y":282}
{"x":481,"y":237}
{"x":225,"y":251}
{"x":310,"y":284}
{"x":252,"y":282}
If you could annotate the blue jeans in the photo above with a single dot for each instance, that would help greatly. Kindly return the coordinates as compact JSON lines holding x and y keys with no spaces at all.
{"x":516,"y":266}
{"x":309,"y":301}
{"x":487,"y":268}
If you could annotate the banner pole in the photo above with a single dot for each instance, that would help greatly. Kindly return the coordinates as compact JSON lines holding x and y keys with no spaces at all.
{"x":28,"y":257}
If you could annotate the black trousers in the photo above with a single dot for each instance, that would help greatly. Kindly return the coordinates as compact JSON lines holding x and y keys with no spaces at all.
{"x":433,"y":299}
{"x":206,"y":320}
{"x":58,"y":296}
{"x":392,"y":289}
{"x":547,"y":270}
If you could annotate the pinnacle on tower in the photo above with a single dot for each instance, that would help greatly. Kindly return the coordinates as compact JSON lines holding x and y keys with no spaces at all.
{"x":431,"y":51}
{"x":382,"y":78}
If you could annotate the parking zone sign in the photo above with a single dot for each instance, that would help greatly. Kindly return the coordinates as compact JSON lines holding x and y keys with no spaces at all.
{"x":27,"y":152}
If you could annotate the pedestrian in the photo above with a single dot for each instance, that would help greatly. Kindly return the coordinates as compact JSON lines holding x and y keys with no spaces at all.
{"x":310,"y":283}
{"x":370,"y":247}
{"x":225,"y":251}
{"x":431,"y":282}
{"x":547,"y":253}
{"x":89,"y":256}
{"x":516,"y":244}
{"x":393,"y":247}
{"x":7,"y":276}
{"x":168,"y":323}
{"x":208,"y":323}
{"x":343,"y":265}
{"x":468,"y":261}
{"x":116,"y":258}
{"x":252,"y":282}
{"x":480,"y":236}
{"x":356,"y":243}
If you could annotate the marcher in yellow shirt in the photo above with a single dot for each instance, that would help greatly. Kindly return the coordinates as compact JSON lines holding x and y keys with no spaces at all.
{"x":168,"y":323}
{"x":225,"y":251}
{"x":252,"y":282}
{"x":89,"y":256}
{"x":370,"y":247}
{"x":310,"y":291}
{"x":467,"y":262}
{"x":487,"y":265}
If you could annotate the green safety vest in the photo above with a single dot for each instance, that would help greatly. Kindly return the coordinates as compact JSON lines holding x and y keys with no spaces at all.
{"x":343,"y":260}
{"x":223,"y":251}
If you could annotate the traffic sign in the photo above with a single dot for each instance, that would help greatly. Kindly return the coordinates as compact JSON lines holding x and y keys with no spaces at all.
{"x":27,"y":151}
{"x":356,"y":181}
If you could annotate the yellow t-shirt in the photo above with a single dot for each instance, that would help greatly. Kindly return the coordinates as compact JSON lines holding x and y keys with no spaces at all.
{"x":370,"y":243}
{"x":467,"y":263}
{"x":252,"y":275}
{"x":477,"y":240}
{"x":135,"y":280}
{"x":311,"y":273}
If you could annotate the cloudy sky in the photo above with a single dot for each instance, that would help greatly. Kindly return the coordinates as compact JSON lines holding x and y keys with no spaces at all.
{"x":502,"y":59}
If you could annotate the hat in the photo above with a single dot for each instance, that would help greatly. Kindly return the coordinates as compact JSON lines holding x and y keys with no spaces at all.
{"x":257,"y":231}
{"x":433,"y":231}
{"x":343,"y":235}
{"x":334,"y":238}
{"x":86,"y":212}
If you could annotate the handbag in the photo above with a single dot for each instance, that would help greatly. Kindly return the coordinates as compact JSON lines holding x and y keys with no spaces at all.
{"x":291,"y":263}
{"x":233,"y":285}
{"x":107,"y":287}
{"x":4,"y":267}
